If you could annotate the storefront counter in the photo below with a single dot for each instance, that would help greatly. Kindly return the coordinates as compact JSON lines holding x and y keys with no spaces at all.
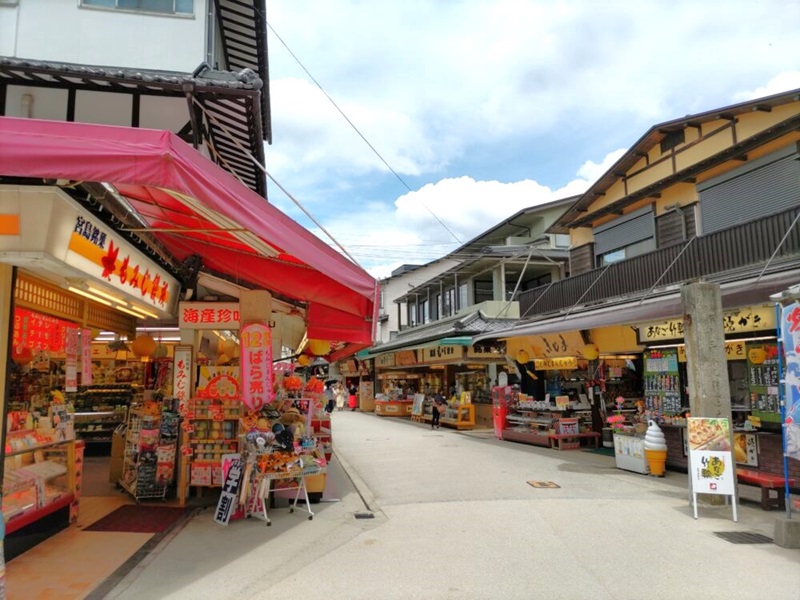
{"x":393,"y":408}
{"x":629,"y":453}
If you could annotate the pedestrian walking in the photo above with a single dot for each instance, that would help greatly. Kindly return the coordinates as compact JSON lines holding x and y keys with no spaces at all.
{"x":329,"y":404}
{"x":437,"y":409}
{"x":340,"y":396}
{"x":351,"y":401}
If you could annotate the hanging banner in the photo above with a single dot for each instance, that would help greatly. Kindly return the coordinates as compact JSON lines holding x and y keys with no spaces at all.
{"x":182,"y":377}
{"x":39,"y":332}
{"x":256,"y":368}
{"x":71,"y":364}
{"x":790,"y":335}
{"x":86,"y":357}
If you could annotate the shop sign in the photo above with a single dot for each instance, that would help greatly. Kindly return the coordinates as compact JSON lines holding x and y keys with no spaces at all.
{"x":551,"y":345}
{"x":741,"y":320}
{"x":484,"y":352}
{"x":790,"y":334}
{"x":71,"y":363}
{"x":208,"y":315}
{"x":256,"y":364}
{"x":86,"y":357}
{"x":385,"y":360}
{"x":745,"y":449}
{"x":348,"y":367}
{"x":405,"y":358}
{"x":564,"y":363}
{"x":39,"y":332}
{"x":733,"y":351}
{"x":182,"y":376}
{"x":229,"y":497}
{"x":710,"y":458}
{"x":436,"y":354}
{"x":218,"y":382}
{"x":108,"y":257}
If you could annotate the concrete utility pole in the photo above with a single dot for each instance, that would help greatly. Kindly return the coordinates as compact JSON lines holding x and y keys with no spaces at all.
{"x":706,"y":365}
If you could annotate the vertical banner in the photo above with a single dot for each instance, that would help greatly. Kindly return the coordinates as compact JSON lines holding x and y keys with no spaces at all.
{"x":71,"y":366}
{"x":256,"y":365}
{"x":86,"y":357}
{"x":182,"y":377}
{"x":790,"y":336}
{"x":711,"y":463}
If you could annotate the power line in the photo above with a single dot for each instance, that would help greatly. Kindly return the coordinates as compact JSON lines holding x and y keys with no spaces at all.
{"x":361,"y":135}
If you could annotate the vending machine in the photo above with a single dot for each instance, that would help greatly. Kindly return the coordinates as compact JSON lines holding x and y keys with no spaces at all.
{"x":501,"y":397}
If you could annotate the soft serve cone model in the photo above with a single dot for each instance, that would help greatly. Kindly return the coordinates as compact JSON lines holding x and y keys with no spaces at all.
{"x":655,"y":448}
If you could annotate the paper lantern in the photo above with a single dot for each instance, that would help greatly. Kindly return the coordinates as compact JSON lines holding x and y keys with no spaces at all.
{"x":757,"y":356}
{"x":319,"y":347}
{"x":523,"y":357}
{"x":590,"y":352}
{"x":21,"y":355}
{"x":144,"y":345}
{"x":303,"y":360}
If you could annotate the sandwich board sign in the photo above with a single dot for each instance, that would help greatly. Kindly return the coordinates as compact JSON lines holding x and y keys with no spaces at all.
{"x":711,"y":463}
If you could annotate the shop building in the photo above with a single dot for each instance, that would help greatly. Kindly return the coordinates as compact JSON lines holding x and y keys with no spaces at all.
{"x":475,"y":292}
{"x":711,"y":197}
{"x":108,"y":231}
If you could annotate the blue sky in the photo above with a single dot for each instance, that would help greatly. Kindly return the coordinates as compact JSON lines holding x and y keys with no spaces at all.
{"x":483,"y":107}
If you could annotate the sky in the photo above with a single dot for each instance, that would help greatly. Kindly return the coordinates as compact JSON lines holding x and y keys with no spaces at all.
{"x":407,"y":128}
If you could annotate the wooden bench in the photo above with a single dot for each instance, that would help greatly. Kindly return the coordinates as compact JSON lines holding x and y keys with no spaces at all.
{"x":768,"y":482}
{"x":556,"y":439}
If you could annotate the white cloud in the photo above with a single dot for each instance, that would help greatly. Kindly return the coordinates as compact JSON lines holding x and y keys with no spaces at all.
{"x":447,"y":92}
{"x":782,"y":82}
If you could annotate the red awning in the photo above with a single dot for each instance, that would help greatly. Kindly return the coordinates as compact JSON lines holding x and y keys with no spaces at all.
{"x":194,"y":207}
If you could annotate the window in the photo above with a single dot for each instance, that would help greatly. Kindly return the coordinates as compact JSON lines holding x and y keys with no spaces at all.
{"x":436,"y":309}
{"x":424,"y":315}
{"x":562,"y":240}
{"x":164,"y":7}
{"x":463,"y":296}
{"x":449,"y":301}
{"x":412,"y":314}
{"x":626,"y":252}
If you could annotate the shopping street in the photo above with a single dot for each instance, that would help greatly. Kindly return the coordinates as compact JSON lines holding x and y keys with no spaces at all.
{"x":454,"y":517}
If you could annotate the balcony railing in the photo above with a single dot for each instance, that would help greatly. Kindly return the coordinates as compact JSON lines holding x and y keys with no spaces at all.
{"x":744,"y":246}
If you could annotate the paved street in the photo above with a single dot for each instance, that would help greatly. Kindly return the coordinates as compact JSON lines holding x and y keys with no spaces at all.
{"x":454,"y":517}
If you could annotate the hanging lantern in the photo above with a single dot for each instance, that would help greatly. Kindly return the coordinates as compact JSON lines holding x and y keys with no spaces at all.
{"x":144,"y":345}
{"x":21,"y":355}
{"x":319,"y":347}
{"x":523,"y":357}
{"x":304,"y":360}
{"x":590,"y":352}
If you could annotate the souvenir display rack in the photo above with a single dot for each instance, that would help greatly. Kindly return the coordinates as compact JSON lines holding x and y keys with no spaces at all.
{"x":150,"y":451}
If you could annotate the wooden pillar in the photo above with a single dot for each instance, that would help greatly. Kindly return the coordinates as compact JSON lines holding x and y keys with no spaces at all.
{"x":255,"y":306}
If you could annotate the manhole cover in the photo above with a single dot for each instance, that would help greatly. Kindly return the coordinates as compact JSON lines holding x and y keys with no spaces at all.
{"x":543,"y":484}
{"x":736,"y":537}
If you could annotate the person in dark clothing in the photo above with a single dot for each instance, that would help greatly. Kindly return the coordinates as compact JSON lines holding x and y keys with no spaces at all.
{"x":436,"y":410}
{"x":331,"y":402}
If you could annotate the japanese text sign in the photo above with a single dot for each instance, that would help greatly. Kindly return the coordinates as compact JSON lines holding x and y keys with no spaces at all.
{"x":182,"y":376}
{"x":710,"y":456}
{"x":256,"y":365}
{"x":208,"y":315}
{"x":108,"y":257}
{"x":751,"y":318}
{"x":86,"y":356}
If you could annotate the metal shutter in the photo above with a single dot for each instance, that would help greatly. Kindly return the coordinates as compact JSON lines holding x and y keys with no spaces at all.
{"x":624,"y":231}
{"x":768,"y":185}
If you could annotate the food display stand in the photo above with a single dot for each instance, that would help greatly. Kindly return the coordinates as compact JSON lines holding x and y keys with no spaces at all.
{"x":629,"y":452}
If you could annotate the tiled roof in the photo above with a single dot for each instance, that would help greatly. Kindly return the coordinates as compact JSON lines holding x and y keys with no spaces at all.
{"x":472,"y":324}
{"x":231,"y":100}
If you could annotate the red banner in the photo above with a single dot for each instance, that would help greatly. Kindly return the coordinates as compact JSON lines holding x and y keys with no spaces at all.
{"x":39,"y":332}
{"x":256,"y":365}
